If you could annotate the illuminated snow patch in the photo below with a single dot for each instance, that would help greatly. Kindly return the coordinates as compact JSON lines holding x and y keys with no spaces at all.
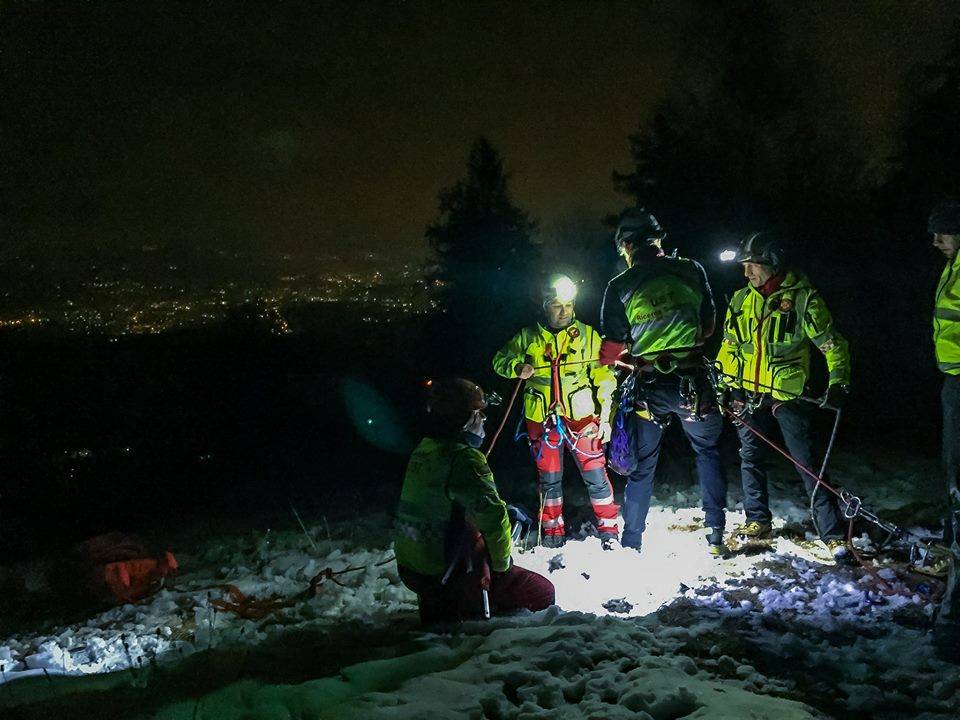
{"x":674,"y":559}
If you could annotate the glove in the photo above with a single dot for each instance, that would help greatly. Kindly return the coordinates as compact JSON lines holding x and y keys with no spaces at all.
{"x":606,"y":432}
{"x":524,"y":370}
{"x":835,"y":397}
{"x":611,"y":351}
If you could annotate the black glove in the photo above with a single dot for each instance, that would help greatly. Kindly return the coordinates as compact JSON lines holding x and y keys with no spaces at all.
{"x":836,"y":396}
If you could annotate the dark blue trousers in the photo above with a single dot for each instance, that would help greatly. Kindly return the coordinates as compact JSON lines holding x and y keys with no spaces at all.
{"x":664,"y":401}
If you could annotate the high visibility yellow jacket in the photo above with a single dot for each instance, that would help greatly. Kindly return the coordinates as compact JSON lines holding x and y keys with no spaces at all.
{"x":567,"y":376}
{"x":660,"y":307}
{"x":946,"y":319}
{"x":766,"y":341}
{"x":448,"y":482}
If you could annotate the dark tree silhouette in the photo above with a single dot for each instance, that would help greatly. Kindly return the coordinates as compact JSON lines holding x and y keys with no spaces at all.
{"x":926,"y":167}
{"x":486,"y":256}
{"x":746,"y":150}
{"x":754,"y":150}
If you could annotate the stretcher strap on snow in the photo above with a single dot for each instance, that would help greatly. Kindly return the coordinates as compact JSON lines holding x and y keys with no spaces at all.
{"x":329,"y":574}
{"x":250,"y":608}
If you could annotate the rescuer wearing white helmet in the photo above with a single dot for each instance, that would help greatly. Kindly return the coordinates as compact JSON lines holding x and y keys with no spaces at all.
{"x":567,"y":403}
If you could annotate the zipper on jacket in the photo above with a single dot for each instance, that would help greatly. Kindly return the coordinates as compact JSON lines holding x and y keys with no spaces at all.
{"x":763,"y":318}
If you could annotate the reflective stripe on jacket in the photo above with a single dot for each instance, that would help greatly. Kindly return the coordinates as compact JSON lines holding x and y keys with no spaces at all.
{"x":566,"y":372}
{"x":946,"y":319}
{"x":766,"y":341}
{"x":660,"y":306}
{"x":446,"y":483}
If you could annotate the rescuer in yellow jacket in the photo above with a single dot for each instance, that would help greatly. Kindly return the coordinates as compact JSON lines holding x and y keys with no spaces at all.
{"x":567,"y":402}
{"x":764,"y":361}
{"x":453,"y":537}
{"x":944,"y":225}
{"x":660,"y":311}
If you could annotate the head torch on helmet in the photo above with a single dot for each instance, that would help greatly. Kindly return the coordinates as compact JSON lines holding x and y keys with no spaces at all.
{"x":560,"y":288}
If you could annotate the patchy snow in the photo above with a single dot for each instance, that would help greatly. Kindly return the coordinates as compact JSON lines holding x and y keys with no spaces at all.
{"x":669,"y":632}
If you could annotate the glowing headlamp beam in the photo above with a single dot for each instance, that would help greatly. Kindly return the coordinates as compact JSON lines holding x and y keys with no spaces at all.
{"x":728,"y":255}
{"x":565,"y":289}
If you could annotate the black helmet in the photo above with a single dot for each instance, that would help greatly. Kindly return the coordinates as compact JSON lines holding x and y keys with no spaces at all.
{"x":451,"y":402}
{"x":762,"y":248}
{"x":945,"y":218}
{"x":638,"y":227}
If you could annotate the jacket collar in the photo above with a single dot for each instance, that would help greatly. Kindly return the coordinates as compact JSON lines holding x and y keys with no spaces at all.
{"x":792,"y":282}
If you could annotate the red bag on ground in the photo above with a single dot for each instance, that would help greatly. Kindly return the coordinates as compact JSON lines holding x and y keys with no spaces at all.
{"x":121,"y":568}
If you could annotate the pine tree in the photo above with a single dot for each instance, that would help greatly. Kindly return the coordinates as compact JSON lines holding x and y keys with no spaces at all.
{"x":485,"y":252}
{"x":742,"y":150}
{"x":926,"y":168}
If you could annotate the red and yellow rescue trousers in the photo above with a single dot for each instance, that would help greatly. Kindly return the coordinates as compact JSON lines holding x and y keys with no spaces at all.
{"x":547,"y":440}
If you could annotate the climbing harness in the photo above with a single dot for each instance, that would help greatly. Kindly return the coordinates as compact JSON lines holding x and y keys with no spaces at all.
{"x":565,"y":435}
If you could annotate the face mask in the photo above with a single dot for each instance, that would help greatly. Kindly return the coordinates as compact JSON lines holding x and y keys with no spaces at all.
{"x":473,"y":432}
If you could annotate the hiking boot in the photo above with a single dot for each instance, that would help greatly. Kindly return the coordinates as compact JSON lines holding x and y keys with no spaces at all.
{"x":754,"y":530}
{"x":715,"y":545}
{"x":839,"y":550}
{"x":934,"y":562}
{"x":553,"y":541}
{"x":938,"y":568}
{"x":609,"y":542}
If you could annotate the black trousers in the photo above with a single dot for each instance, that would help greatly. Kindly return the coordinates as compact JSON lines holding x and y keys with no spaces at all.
{"x":794,"y":418}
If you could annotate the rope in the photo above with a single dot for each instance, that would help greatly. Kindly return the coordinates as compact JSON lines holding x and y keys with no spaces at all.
{"x":252,"y":608}
{"x":714,"y":368}
{"x":506,"y":414}
{"x":887,"y":588}
{"x":618,"y":363}
{"x":571,"y":439}
{"x":800,"y":466}
{"x":329,"y":574}
{"x":823,"y":467}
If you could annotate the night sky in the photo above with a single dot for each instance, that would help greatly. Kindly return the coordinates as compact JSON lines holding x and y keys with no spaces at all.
{"x":330,"y":127}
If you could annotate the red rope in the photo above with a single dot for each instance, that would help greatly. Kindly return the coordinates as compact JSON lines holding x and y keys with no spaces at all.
{"x":800,"y":466}
{"x":506,"y":414}
{"x":887,"y":588}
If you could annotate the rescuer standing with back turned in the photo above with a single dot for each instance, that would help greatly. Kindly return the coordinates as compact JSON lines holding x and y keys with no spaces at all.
{"x":659,"y":312}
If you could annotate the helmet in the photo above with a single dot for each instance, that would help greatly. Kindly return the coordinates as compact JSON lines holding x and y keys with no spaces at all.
{"x":451,"y":402}
{"x":639,"y":226}
{"x":945,"y":218}
{"x":557,"y":287}
{"x":763,"y":248}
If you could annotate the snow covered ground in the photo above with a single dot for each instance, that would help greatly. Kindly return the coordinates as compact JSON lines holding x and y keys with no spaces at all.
{"x":668,"y":633}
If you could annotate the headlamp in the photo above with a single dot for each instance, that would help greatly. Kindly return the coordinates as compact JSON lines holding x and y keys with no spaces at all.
{"x":564,"y":289}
